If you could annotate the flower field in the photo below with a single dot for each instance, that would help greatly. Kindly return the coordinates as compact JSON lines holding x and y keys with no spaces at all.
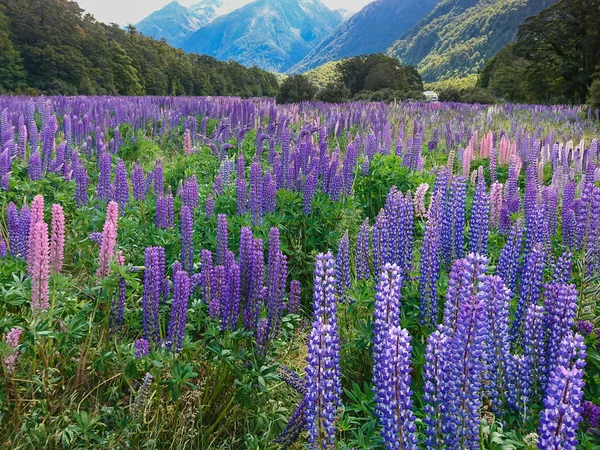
{"x":224,"y":273}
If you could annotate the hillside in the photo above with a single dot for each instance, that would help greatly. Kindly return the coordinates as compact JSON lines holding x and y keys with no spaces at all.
{"x":271,"y":34}
{"x":52,"y":47}
{"x":458,"y":36}
{"x":372,"y":30}
{"x":554,"y":59}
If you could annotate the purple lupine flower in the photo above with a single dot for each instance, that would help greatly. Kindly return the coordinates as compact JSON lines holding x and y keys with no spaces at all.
{"x":217,"y":187}
{"x":465,"y":371}
{"x":189,"y":192}
{"x":453,"y":221}
{"x":241,"y":187}
{"x":568,"y":215}
{"x":187,"y":239}
{"x":142,"y":348}
{"x":103,"y":188}
{"x":380,"y":243}
{"x":530,"y":289}
{"x":322,"y":381}
{"x":534,"y":358}
{"x":141,"y":396}
{"x":560,"y":419}
{"x":508,"y":262}
{"x":18,"y":229}
{"x":165,"y":214}
{"x":386,"y":312}
{"x":591,"y":414}
{"x":206,"y":268}
{"x":294,"y":300}
{"x":363,"y":251}
{"x":210,"y":206}
{"x":560,"y":308}
{"x":34,"y":168}
{"x":550,"y":206}
{"x":256,"y":285}
{"x":217,"y":290}
{"x":480,"y":214}
{"x":294,"y":427}
{"x":393,"y":393}
{"x":138,"y":182}
{"x":530,"y":207}
{"x":435,"y":388}
{"x":121,"y":186}
{"x":2,"y":248}
{"x":245,"y":252}
{"x":585,"y":327}
{"x":497,"y":304}
{"x":269,"y":199}
{"x":81,"y":184}
{"x":221,"y":238}
{"x":562,"y":269}
{"x":262,"y":338}
{"x":181,"y":294}
{"x":430,"y":265}
{"x":158,"y":179}
{"x":512,"y":188}
{"x":256,"y":192}
{"x":154,"y":280}
{"x":342,"y":268}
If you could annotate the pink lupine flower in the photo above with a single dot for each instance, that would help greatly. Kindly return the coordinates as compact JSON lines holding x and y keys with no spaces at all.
{"x":187,"y":143}
{"x":109,"y":240}
{"x":496,"y":198}
{"x":37,"y":214}
{"x":420,"y":209}
{"x":13,"y":336}
{"x":57,"y":240}
{"x":40,"y":267}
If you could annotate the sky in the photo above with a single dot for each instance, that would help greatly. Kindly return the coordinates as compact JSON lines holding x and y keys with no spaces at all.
{"x":124,"y":12}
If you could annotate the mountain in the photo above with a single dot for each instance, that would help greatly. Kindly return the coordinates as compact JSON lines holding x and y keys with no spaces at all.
{"x":371,"y":30}
{"x":457,"y":37}
{"x":174,"y":23}
{"x":53,"y":47}
{"x":271,"y":34}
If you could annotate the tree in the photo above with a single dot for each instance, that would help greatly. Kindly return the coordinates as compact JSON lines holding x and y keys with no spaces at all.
{"x":296,"y":89}
{"x":594,"y":97}
{"x":334,"y":93}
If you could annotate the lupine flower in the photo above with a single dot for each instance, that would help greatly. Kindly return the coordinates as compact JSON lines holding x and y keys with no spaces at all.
{"x":342,"y":262}
{"x":109,"y":240}
{"x":217,"y":187}
{"x":256,"y":192}
{"x":138,"y":182}
{"x":57,"y":241}
{"x":81,"y":184}
{"x":18,"y":229}
{"x":534,"y":356}
{"x":560,"y":308}
{"x":435,"y":388}
{"x":230,"y":308}
{"x":276,"y":282}
{"x":2,"y":248}
{"x":187,"y":238}
{"x":585,"y":327}
{"x":189,"y":192}
{"x":480,"y":214}
{"x":121,"y":186}
{"x":142,"y":348}
{"x":210,"y":206}
{"x":34,"y":167}
{"x":262,"y":338}
{"x":498,"y":354}
{"x":393,"y":393}
{"x":103,"y":188}
{"x":530,"y":290}
{"x":294,"y":427}
{"x":12,"y":341}
{"x":560,"y":419}
{"x":294,"y":300}
{"x":142,"y":395}
{"x":496,"y":200}
{"x":177,"y":320}
{"x":591,"y":414}
{"x":453,"y":221}
{"x":221,"y":238}
{"x":419,"y":200}
{"x":154,"y":280}
{"x":467,"y":356}
{"x":40,"y":266}
{"x":217,"y":292}
{"x":508,"y":262}
{"x":256,"y":285}
{"x":205,"y":272}
{"x":269,"y":200}
{"x":158,"y":179}
{"x":562,"y":270}
{"x":164,"y":212}
{"x":37,"y":215}
{"x":187,"y":142}
{"x":363,"y":251}
{"x":241,"y":187}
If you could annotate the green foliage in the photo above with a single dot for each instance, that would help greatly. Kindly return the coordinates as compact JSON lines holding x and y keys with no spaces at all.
{"x":553,"y":59}
{"x":467,"y":95}
{"x":594,"y":97}
{"x":457,"y":37}
{"x":334,"y":93}
{"x":297,"y":88}
{"x":52,"y":47}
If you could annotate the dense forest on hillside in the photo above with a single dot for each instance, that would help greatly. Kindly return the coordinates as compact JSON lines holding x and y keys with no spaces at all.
{"x":52,"y":47}
{"x":554,"y":59}
{"x":458,"y":36}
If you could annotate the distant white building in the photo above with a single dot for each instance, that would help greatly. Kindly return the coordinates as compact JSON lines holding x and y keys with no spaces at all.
{"x":431,"y":96}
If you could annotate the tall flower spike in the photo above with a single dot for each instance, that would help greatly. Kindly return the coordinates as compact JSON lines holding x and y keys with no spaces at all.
{"x":434,"y":389}
{"x":430,"y":265}
{"x":109,"y":240}
{"x":560,"y":419}
{"x":181,"y":294}
{"x":363,"y":251}
{"x":57,"y":241}
{"x":154,"y":278}
{"x":480,"y":214}
{"x":187,"y":238}
{"x":393,"y":393}
{"x":40,"y":266}
{"x":37,"y":215}
{"x":508,"y":263}
{"x":121,"y":186}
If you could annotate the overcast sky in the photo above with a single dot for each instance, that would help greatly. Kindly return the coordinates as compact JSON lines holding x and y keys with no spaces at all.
{"x":124,"y":12}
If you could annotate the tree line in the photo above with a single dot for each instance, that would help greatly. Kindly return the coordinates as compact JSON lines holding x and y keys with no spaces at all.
{"x":53,"y":47}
